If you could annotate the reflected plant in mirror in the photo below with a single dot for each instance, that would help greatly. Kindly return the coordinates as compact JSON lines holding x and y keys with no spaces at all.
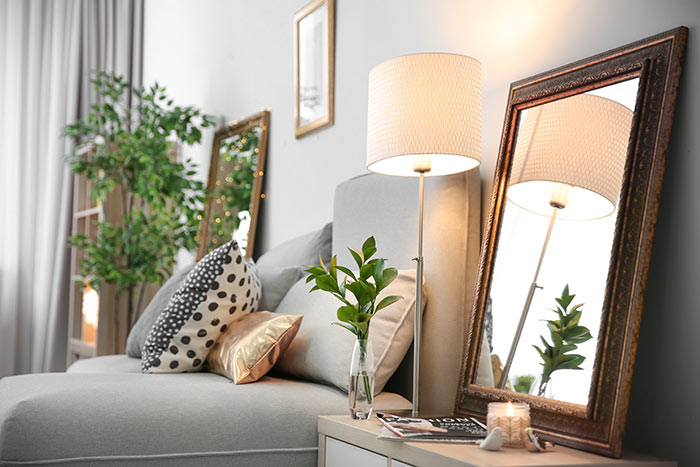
{"x":238,"y":156}
{"x":565,"y":334}
{"x":235,"y":184}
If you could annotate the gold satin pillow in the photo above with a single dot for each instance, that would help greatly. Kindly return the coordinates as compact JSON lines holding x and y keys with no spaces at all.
{"x":251,"y":345}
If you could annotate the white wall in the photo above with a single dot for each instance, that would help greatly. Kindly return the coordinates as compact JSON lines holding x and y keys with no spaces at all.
{"x":233,"y":57}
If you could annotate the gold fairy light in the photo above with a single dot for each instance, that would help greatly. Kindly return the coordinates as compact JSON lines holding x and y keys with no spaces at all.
{"x":218,"y":220}
{"x":228,"y":213}
{"x":199,"y":217}
{"x":218,"y":201}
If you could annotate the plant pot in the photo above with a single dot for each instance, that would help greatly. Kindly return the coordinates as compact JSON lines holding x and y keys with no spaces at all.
{"x":361,"y":383}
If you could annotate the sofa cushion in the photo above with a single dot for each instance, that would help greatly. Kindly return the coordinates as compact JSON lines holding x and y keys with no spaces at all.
{"x":300,"y":251}
{"x":251,"y":345}
{"x":137,"y":335}
{"x":221,"y":286}
{"x":321,"y":352}
{"x":276,"y":282}
{"x":163,"y":419}
{"x":106,"y":364}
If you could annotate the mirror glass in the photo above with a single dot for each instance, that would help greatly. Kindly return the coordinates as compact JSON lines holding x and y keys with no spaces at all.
{"x":235,"y":179}
{"x":554,"y":247}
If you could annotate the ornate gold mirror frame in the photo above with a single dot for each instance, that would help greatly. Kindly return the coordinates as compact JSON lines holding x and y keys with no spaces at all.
{"x":226,"y":171}
{"x":598,"y":426}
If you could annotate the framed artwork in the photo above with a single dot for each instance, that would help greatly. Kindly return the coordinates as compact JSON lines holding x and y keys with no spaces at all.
{"x":314,"y":66}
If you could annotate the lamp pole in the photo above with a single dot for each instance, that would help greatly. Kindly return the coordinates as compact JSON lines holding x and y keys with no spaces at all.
{"x":419,"y":296}
{"x":528,"y":302}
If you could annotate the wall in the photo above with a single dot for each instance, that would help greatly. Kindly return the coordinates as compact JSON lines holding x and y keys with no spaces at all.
{"x":233,"y":57}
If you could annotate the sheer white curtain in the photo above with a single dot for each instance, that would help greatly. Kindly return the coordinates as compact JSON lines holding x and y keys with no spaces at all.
{"x":47,"y":47}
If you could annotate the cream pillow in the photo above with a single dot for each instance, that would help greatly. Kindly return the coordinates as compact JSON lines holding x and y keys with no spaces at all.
{"x":321,"y":352}
{"x":251,"y":345}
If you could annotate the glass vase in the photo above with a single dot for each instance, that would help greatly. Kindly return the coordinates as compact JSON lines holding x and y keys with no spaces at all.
{"x":361,"y":384}
{"x":541,"y":389}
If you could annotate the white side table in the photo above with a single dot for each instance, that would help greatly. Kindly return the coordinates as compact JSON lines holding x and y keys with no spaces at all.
{"x":344,"y":442}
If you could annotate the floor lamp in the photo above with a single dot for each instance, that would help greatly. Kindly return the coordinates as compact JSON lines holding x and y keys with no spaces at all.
{"x":424,"y":119}
{"x":568,"y":164}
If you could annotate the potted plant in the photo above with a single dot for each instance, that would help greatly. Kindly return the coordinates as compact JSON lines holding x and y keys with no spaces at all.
{"x":123,"y":148}
{"x":356,"y":313}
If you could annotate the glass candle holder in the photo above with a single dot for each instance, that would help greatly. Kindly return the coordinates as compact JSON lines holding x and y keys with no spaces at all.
{"x":512,"y":419}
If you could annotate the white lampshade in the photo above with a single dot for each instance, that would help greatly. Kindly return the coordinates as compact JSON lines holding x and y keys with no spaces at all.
{"x":424,"y":114}
{"x":580,"y":141}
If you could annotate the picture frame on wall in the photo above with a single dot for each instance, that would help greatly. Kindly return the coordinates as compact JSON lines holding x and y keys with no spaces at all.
{"x":314,"y":66}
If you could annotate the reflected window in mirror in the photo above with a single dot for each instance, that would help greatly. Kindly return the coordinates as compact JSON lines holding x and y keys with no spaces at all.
{"x":557,"y":232}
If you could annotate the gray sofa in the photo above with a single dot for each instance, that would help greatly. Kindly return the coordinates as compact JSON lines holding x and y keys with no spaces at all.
{"x":103,"y":411}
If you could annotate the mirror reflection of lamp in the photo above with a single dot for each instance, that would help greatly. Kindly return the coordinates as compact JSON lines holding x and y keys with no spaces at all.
{"x":89,"y":310}
{"x":568,"y":164}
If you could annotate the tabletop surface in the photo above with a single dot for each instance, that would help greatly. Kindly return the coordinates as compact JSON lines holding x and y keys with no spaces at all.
{"x":364,"y":434}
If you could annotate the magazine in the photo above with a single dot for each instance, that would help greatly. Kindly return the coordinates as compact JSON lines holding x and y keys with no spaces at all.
{"x":452,"y":429}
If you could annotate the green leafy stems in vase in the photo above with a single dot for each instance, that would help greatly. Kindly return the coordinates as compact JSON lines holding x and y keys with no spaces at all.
{"x":566,"y":333}
{"x":356,"y":314}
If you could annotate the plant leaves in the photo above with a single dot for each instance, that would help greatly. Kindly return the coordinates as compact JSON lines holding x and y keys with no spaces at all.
{"x":386,"y":301}
{"x":357,"y":257}
{"x":369,"y":247}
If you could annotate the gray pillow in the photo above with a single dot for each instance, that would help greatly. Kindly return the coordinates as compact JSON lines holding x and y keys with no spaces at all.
{"x":276,"y":282}
{"x":301,"y":251}
{"x":137,"y":335}
{"x":321,"y":352}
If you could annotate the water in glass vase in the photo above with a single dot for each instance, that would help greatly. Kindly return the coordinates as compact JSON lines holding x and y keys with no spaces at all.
{"x":361,"y":382}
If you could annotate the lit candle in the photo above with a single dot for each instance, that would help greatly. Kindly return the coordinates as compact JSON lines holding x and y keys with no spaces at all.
{"x":90,"y":308}
{"x":512,"y":419}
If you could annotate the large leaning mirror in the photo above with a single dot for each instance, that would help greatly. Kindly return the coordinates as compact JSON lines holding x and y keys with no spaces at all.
{"x":566,"y":252}
{"x":235,"y":184}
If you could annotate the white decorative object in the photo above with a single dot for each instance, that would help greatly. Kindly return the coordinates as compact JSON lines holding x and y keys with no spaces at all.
{"x":493,"y":441}
{"x":511,"y":419}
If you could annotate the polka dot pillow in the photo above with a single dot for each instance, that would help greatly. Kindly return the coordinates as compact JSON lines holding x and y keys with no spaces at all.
{"x":221,"y":287}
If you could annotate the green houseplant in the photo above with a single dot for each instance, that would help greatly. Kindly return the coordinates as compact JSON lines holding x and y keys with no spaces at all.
{"x":565,"y":333}
{"x":358,"y":294}
{"x":123,"y":148}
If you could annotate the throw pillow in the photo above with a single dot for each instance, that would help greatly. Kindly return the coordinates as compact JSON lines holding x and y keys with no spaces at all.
{"x":251,"y":345}
{"x":219,"y":288}
{"x":301,"y":251}
{"x":276,"y":282}
{"x":321,"y":352}
{"x":137,"y":335}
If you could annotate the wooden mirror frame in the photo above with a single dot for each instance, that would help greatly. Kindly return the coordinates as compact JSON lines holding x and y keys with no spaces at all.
{"x":261,"y":119}
{"x":597,"y":427}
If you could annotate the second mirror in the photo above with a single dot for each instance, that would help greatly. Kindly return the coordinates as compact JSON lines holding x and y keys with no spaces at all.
{"x":235,"y":184}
